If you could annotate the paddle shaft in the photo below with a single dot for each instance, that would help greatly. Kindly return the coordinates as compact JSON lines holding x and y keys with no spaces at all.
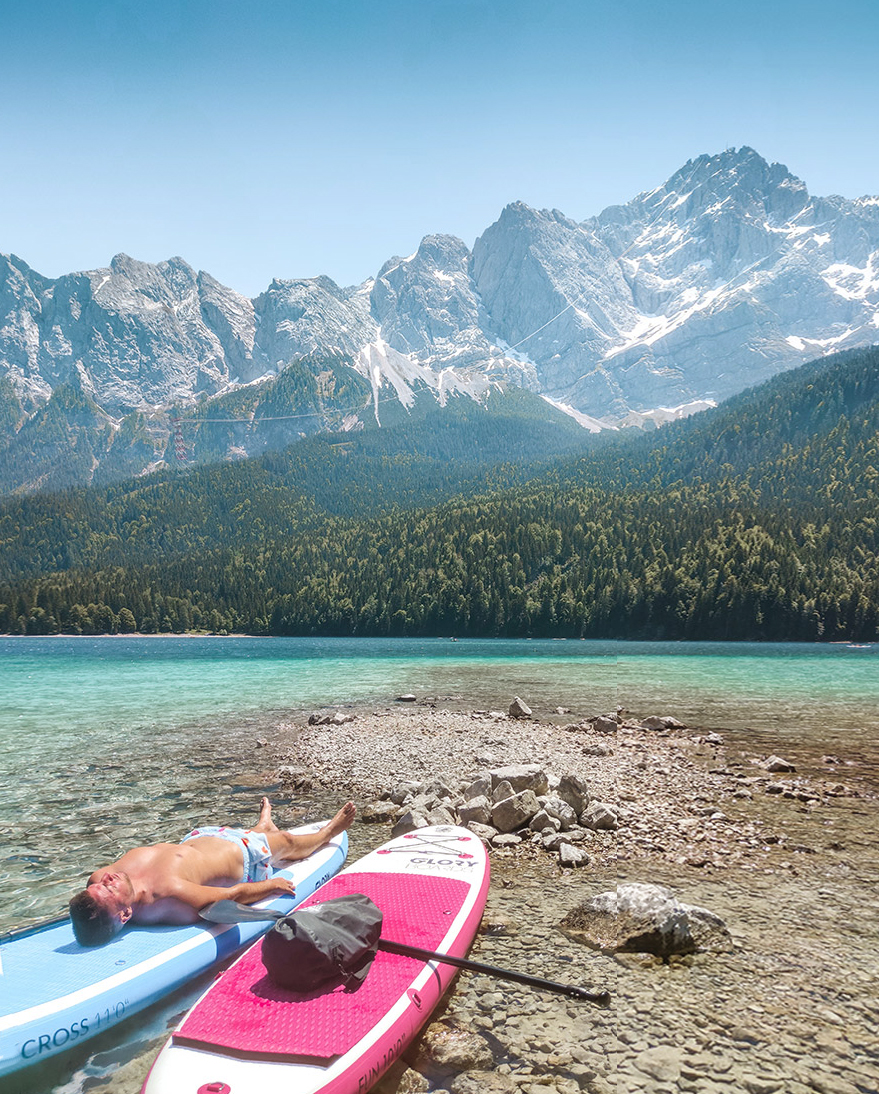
{"x":602,"y":998}
{"x":228,"y":911}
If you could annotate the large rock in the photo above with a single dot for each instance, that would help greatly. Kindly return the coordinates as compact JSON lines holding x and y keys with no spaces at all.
{"x":379,"y":812}
{"x":409,"y":822}
{"x":521,"y":777}
{"x":475,"y":811}
{"x":484,"y":1082}
{"x":564,"y":813}
{"x":569,"y":855}
{"x":514,"y":812}
{"x":479,"y":788}
{"x":519,"y":709}
{"x":660,"y":721}
{"x":600,"y":817}
{"x":573,"y":790}
{"x":640,"y":918}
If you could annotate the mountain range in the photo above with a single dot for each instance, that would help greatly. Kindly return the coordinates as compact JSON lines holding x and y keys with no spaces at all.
{"x":721,"y":277}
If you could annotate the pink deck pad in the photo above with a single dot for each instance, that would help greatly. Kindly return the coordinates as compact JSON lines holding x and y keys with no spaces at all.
{"x":244,"y":1012}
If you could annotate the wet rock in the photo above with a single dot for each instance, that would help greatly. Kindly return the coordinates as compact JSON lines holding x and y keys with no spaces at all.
{"x":408,"y":698}
{"x":605,"y":725}
{"x":514,"y":812}
{"x":645,"y":919}
{"x":660,"y":721}
{"x":519,"y":709}
{"x":334,"y":718}
{"x":381,"y":812}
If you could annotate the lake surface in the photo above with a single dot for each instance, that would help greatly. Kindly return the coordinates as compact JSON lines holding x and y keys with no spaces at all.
{"x":107,"y":741}
{"x":111,"y":741}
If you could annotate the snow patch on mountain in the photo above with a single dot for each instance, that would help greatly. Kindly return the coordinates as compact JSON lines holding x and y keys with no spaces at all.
{"x":385,"y":367}
{"x":587,"y":422}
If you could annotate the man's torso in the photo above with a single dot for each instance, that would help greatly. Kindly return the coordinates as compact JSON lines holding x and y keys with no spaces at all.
{"x":205,"y":860}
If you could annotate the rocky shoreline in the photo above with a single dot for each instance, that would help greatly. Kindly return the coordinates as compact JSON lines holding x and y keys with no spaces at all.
{"x":786,"y":854}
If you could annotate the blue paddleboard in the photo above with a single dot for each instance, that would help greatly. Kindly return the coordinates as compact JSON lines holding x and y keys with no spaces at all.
{"x":55,"y":994}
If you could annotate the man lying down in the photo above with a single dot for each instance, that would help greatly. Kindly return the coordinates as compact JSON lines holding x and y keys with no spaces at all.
{"x":169,"y":882}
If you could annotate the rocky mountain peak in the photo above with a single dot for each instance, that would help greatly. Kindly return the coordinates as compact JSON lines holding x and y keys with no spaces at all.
{"x":714,"y":280}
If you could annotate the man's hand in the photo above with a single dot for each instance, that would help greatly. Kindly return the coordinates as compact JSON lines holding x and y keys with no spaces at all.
{"x":249,"y":892}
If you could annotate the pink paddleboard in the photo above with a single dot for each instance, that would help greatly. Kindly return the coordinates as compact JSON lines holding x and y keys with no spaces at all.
{"x":247,"y":1036}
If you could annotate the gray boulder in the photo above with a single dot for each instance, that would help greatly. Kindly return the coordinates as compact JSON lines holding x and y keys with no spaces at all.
{"x":777,"y":764}
{"x":563,"y":813}
{"x":542,"y":820}
{"x":640,"y":918}
{"x":475,"y":811}
{"x":410,"y":820}
{"x":479,"y":788}
{"x":521,"y":777}
{"x":600,"y":817}
{"x":504,"y":789}
{"x":519,"y":709}
{"x":514,"y":812}
{"x":379,"y":812}
{"x":573,"y":790}
{"x":484,"y":831}
{"x":571,"y":856}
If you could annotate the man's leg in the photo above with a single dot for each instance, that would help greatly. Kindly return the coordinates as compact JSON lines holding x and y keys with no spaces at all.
{"x":290,"y":846}
{"x":265,"y":823}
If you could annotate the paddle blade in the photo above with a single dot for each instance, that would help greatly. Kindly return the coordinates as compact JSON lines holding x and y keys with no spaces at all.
{"x":230,"y":911}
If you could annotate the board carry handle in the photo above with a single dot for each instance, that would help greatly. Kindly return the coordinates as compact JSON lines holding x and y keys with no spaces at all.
{"x":230,"y":911}
{"x":600,"y":998}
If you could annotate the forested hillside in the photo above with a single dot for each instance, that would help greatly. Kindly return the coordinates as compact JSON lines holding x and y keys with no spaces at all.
{"x":758,"y":521}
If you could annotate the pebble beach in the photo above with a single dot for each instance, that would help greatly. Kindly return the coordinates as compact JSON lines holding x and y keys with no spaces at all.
{"x":789,"y":860}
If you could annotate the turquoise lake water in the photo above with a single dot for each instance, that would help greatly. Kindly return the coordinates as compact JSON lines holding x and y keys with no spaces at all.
{"x":109,"y":741}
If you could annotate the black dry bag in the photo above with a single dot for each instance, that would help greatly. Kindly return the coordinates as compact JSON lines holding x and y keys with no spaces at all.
{"x":332,"y":941}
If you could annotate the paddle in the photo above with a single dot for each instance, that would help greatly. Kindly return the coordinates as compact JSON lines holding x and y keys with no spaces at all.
{"x":230,"y":911}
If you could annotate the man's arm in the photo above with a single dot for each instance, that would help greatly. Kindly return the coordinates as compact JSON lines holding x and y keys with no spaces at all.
{"x":245,"y":892}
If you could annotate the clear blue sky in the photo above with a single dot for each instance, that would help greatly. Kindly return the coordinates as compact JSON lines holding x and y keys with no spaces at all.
{"x":288,"y":138}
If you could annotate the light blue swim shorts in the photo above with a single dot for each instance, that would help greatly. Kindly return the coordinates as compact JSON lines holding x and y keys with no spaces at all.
{"x":253,"y":845}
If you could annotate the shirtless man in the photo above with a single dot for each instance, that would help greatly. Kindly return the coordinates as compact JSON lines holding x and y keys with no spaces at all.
{"x":169,"y":882}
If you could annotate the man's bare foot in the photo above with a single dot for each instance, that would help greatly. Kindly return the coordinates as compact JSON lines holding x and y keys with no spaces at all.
{"x":265,"y":823}
{"x":340,"y":822}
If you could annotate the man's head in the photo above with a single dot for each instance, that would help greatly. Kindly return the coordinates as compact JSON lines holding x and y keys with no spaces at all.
{"x":102,"y":909}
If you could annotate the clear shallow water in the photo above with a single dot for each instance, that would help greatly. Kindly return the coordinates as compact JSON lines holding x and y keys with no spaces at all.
{"x":108,"y":742}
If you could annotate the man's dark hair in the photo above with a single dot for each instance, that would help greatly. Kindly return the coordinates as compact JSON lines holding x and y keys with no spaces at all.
{"x":93,"y":924}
